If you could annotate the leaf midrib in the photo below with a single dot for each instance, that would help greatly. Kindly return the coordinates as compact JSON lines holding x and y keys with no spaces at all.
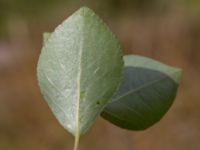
{"x":77,"y":120}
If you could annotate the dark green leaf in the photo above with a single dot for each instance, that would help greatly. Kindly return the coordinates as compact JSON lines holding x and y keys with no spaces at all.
{"x":145,"y":95}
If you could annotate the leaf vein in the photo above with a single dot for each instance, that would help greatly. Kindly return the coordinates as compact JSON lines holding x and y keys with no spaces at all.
{"x":138,"y":89}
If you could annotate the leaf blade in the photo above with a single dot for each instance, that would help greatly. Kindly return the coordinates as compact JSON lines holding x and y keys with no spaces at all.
{"x":151,"y":91}
{"x":74,"y":64}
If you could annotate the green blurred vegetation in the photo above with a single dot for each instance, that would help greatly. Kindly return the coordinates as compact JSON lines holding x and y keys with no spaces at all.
{"x":37,"y":9}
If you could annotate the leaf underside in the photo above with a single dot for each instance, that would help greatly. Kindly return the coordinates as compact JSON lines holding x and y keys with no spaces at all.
{"x":79,"y":69}
{"x":145,"y":94}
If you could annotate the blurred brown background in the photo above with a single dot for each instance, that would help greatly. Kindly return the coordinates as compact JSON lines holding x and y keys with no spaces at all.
{"x":167,"y":30}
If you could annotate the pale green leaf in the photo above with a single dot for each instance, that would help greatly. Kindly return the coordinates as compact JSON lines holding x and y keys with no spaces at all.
{"x":79,"y":69}
{"x":145,"y":95}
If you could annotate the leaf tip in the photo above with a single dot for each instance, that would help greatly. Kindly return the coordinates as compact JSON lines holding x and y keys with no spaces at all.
{"x":179,"y":73}
{"x":84,"y":10}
